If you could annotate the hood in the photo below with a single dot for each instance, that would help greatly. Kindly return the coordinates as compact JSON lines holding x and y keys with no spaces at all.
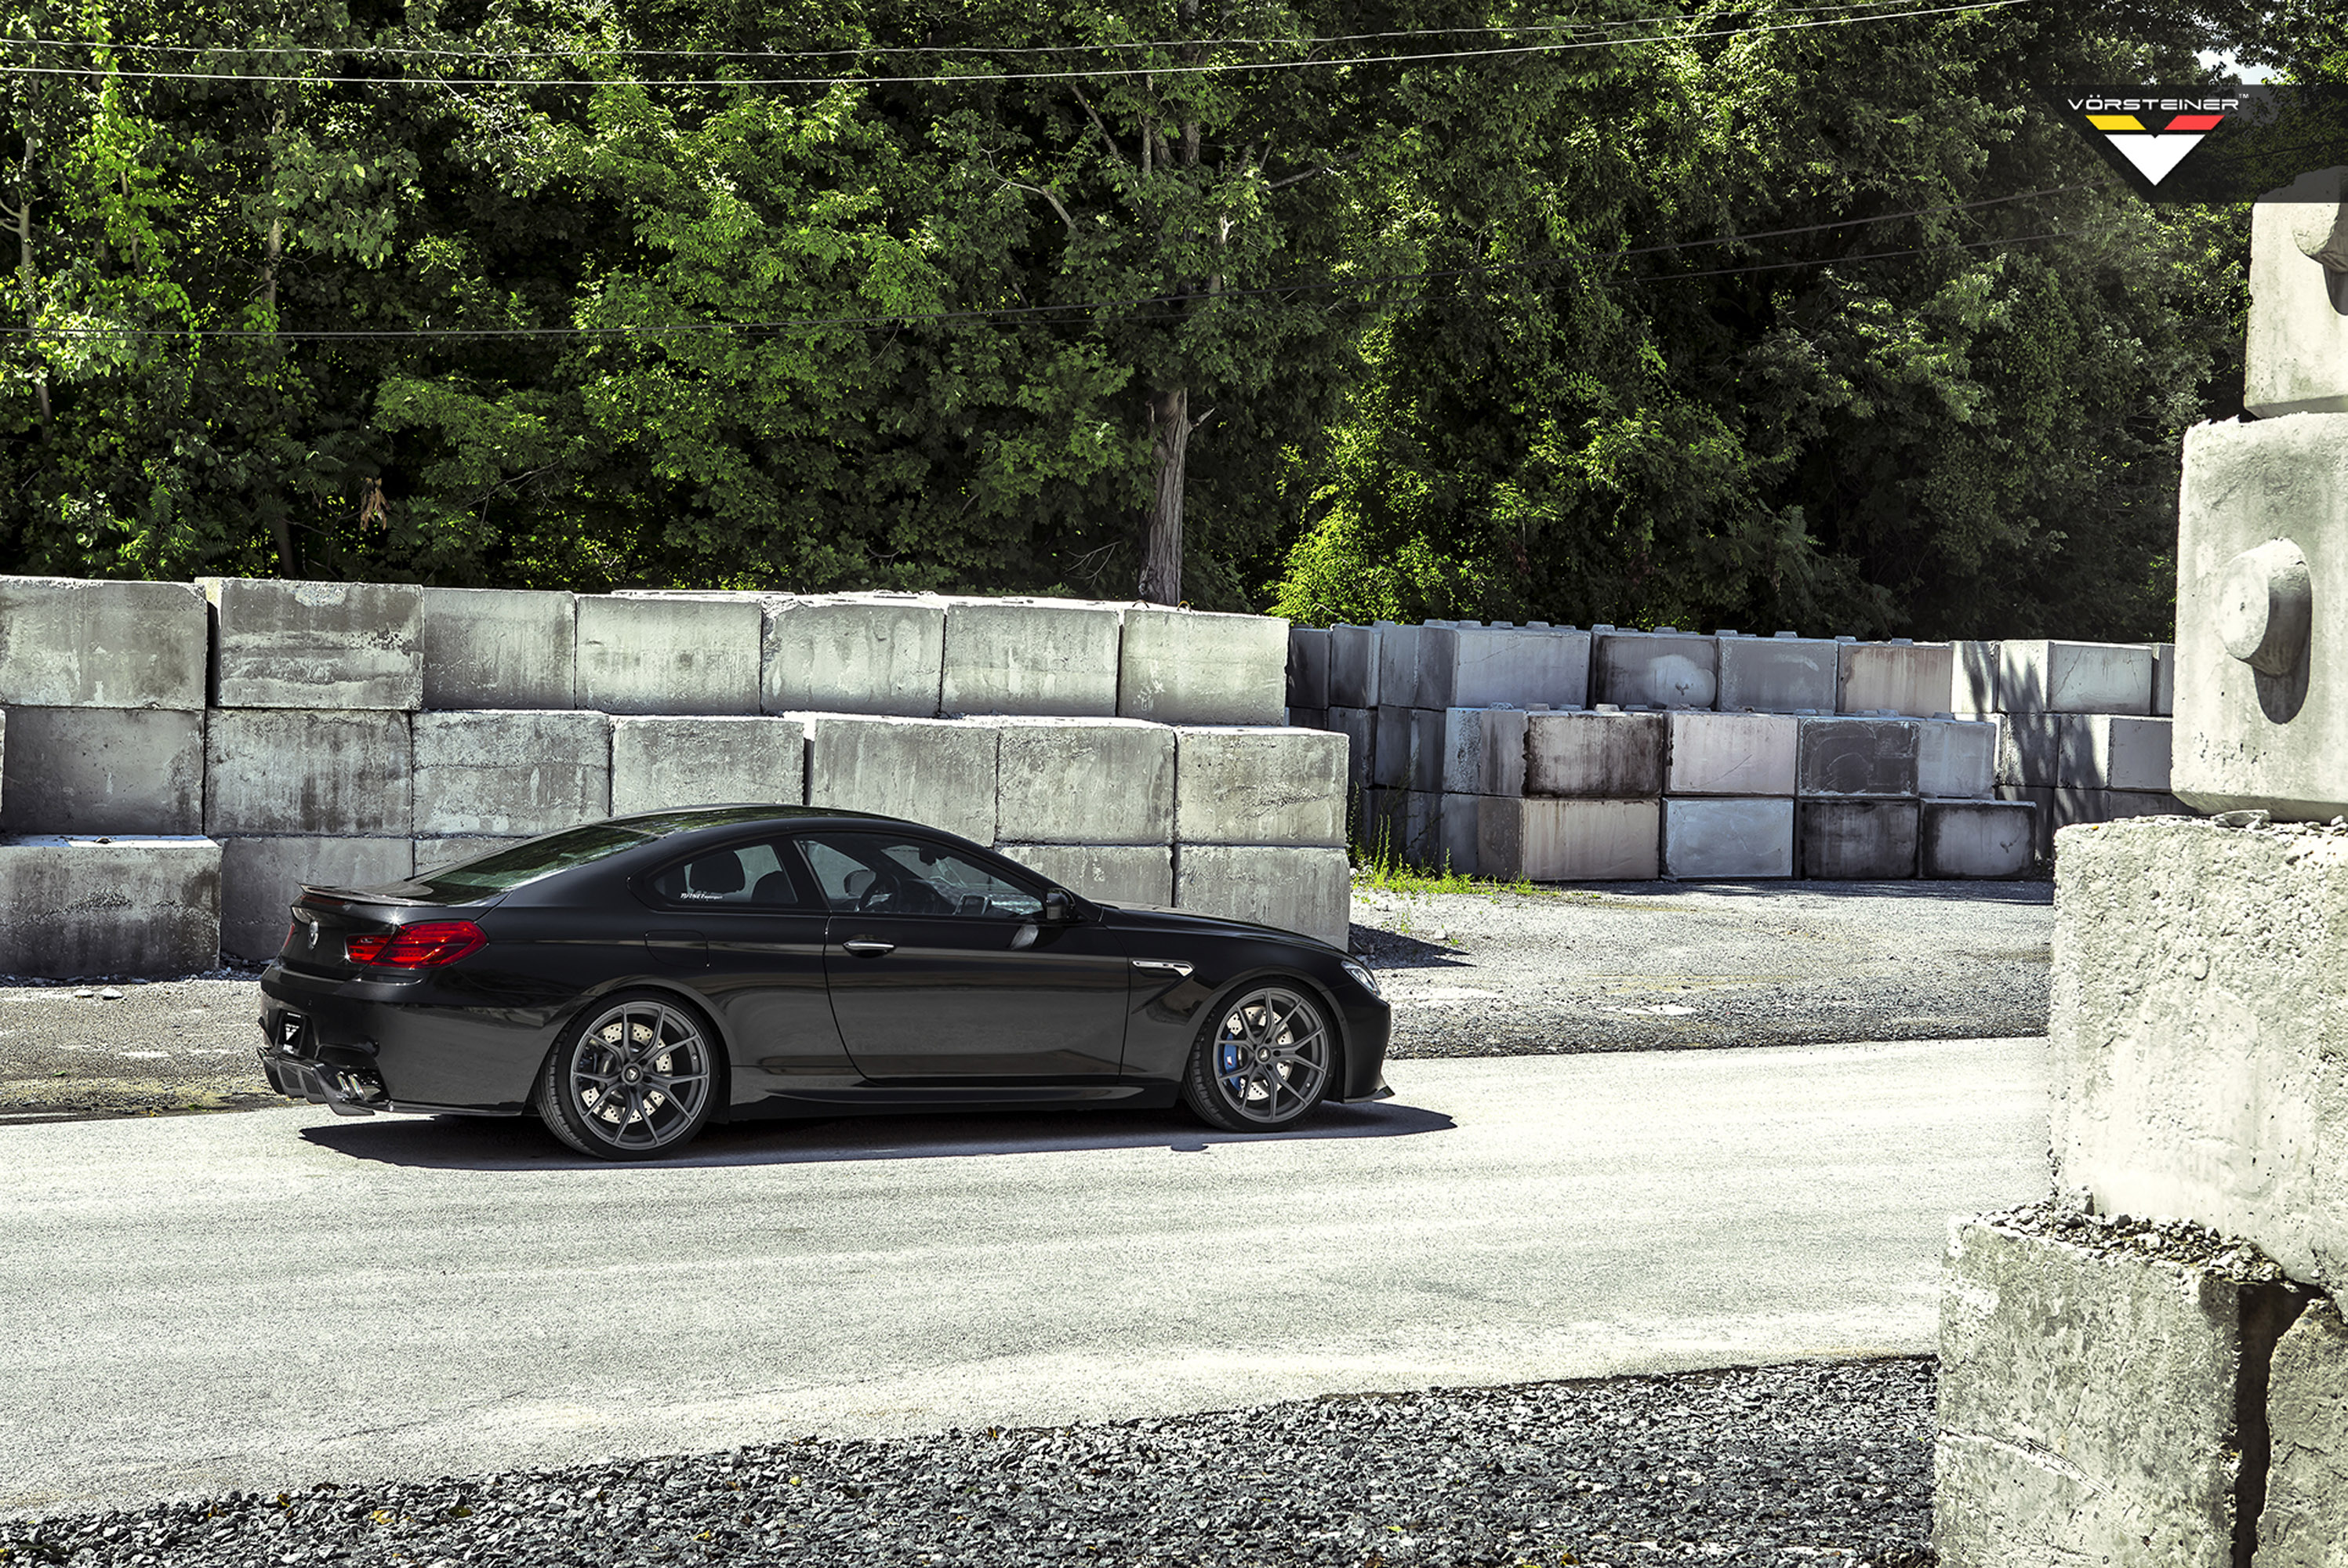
{"x":1160,"y":917}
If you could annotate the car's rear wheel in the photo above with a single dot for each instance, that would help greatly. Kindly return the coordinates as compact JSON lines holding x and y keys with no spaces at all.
{"x":635,"y":1079}
{"x":1262,"y":1061}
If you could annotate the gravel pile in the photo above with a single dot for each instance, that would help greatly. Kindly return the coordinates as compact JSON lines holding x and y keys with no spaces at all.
{"x":1780,"y":1465}
{"x":2184,"y":1242}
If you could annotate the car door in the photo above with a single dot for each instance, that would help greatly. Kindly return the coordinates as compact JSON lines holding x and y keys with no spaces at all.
{"x":741,"y":923}
{"x":943,"y":969}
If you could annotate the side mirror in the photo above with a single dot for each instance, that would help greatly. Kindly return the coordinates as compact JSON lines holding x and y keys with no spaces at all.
{"x":1059,"y":907}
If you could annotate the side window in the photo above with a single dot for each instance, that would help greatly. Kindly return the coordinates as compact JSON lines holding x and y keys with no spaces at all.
{"x":882,"y":873}
{"x":739,"y":876}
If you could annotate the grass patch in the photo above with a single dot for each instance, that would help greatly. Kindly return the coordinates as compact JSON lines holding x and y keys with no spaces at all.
{"x":1377,"y":866}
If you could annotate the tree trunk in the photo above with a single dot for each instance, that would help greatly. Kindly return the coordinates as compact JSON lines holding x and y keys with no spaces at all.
{"x":1169,"y":449}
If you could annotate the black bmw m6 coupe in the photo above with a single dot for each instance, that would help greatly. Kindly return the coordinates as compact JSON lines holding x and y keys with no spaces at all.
{"x":630,"y":981}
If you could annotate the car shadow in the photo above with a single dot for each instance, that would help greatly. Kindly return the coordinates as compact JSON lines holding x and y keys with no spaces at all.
{"x":1394,"y":950}
{"x":522,"y":1143}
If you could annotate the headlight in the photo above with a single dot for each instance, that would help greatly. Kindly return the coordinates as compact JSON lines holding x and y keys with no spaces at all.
{"x":1369,"y":981}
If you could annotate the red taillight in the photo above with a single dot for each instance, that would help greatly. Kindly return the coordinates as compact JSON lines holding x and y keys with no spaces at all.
{"x":427,"y":945}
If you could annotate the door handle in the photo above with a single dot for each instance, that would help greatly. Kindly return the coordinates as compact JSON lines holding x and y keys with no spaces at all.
{"x":863,"y":947}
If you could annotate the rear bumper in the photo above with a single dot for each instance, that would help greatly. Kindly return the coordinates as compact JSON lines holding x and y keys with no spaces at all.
{"x":346,"y":1091}
{"x":353,"y":1048}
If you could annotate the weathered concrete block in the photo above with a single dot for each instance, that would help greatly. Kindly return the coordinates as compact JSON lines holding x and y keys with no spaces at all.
{"x":2029,"y":748}
{"x":315,"y":644}
{"x":510,"y":775}
{"x":1972,"y":678}
{"x":1776,"y":674}
{"x":1186,"y":666}
{"x":1457,"y":828}
{"x":1114,"y":873}
{"x":1615,"y":755}
{"x":2262,"y":566}
{"x":2074,"y":677}
{"x":2297,"y":352}
{"x":1359,"y":726}
{"x":1484,"y":752}
{"x":294,"y":772}
{"x":1857,"y":840}
{"x":1728,"y":838}
{"x":1353,"y":666}
{"x":1418,"y":814}
{"x":1916,"y":679}
{"x":1397,"y":669}
{"x":2040,"y":797}
{"x":853,"y":653}
{"x":1085,"y":782}
{"x":260,"y":877}
{"x":1307,"y":717}
{"x":669,"y":655}
{"x":2112,"y":751}
{"x":1858,"y":756}
{"x":2197,"y":1030}
{"x":1977,"y":839}
{"x":1468,"y":665}
{"x":1054,"y":658}
{"x":2164,"y":680}
{"x":939,"y":771}
{"x":70,"y":643}
{"x":1308,"y":666}
{"x":102,"y":771}
{"x":1956,"y":760}
{"x":82,"y":908}
{"x":1558,"y":840}
{"x":1407,"y":748}
{"x":663,"y":764}
{"x":499,"y":648}
{"x":1237,"y":786}
{"x":1732,"y":754}
{"x":2305,"y":1522}
{"x":2098,"y":1393}
{"x":1654,"y":669}
{"x":1291,"y":887}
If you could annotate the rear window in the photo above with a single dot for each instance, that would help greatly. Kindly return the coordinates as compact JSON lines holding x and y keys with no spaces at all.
{"x":526,"y":863}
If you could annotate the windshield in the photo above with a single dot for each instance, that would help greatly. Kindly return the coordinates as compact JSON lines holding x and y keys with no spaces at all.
{"x":526,"y":863}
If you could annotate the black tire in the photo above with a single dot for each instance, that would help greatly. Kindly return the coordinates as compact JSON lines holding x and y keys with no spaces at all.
{"x":636,"y":1076}
{"x":1263,"y":1059}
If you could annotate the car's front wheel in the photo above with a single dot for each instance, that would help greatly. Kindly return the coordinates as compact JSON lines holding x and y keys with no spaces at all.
{"x":1262,"y":1061}
{"x":635,"y":1078}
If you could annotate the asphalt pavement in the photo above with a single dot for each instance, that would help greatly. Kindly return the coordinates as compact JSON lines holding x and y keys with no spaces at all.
{"x":270,"y":1300}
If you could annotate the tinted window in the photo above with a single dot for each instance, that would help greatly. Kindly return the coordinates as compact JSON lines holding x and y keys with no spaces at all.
{"x":740,"y":876}
{"x":517,"y":863}
{"x":882,"y":873}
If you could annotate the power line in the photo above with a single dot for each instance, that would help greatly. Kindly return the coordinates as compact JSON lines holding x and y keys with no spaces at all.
{"x":682,"y":329}
{"x":977,"y":78}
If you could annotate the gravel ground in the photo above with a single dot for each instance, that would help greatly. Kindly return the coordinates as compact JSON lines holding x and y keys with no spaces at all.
{"x":1780,"y":1465}
{"x":131,"y":1048}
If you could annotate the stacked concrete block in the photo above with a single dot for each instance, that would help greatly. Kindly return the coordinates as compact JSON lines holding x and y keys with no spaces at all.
{"x":1857,"y":756}
{"x":1113,"y":873}
{"x":2304,"y":1524}
{"x":1972,"y":678}
{"x":2164,"y":680}
{"x":1618,"y":756}
{"x":67,"y":643}
{"x":1404,"y":825}
{"x":1731,"y":754}
{"x":852,"y":653}
{"x":1458,"y":832}
{"x":499,"y":649}
{"x":1308,"y":668}
{"x":1556,"y":839}
{"x":941,"y":772}
{"x":1359,"y":726}
{"x":670,"y":763}
{"x":101,"y":907}
{"x":1784,"y":674}
{"x":260,"y":878}
{"x":1396,"y":674}
{"x":2112,"y":751}
{"x":669,"y":655}
{"x":1857,"y":840}
{"x":510,"y":775}
{"x":86,"y":771}
{"x":1859,"y":815}
{"x":315,"y":644}
{"x":1353,"y":666}
{"x":1291,"y":887}
{"x":1956,"y":759}
{"x":2298,"y":340}
{"x":1727,"y":838}
{"x":1913,"y":679}
{"x":1484,"y":752}
{"x":1242,"y":786}
{"x":1662,"y":668}
{"x":2043,"y":677}
{"x":1406,"y":748}
{"x":1084,"y":781}
{"x":1976,"y":840}
{"x":1186,"y":667}
{"x":1466,"y":664}
{"x":1049,"y":657}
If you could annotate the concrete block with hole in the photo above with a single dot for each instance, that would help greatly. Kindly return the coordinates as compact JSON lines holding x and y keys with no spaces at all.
{"x":1353,"y":666}
{"x":1856,"y":838}
{"x":1976,"y":840}
{"x":510,"y":775}
{"x":941,"y":772}
{"x":1654,"y":669}
{"x":1857,"y":756}
{"x":260,"y":877}
{"x":1054,"y":658}
{"x":853,"y":653}
{"x":1731,"y":754}
{"x":1189,"y":666}
{"x":1728,"y":838}
{"x":1308,"y":666}
{"x":1776,"y":674}
{"x":1245,"y":786}
{"x":80,"y":908}
{"x":2296,"y":359}
{"x":2261,"y":575}
{"x":294,"y":772}
{"x":1913,"y":679}
{"x":2099,"y":1394}
{"x":2304,"y":1522}
{"x":279,"y":644}
{"x":1972,"y":678}
{"x":1956,"y":759}
{"x":102,"y":771}
{"x":2046,"y":676}
{"x":1359,"y":727}
{"x":1291,"y":887}
{"x":665,"y":763}
{"x":70,"y":643}
{"x":1484,"y":752}
{"x":2112,"y":751}
{"x":1114,"y":873}
{"x":1542,"y":839}
{"x":1469,"y":666}
{"x":1085,"y":782}
{"x":499,"y":648}
{"x":2196,"y":1031}
{"x":1617,"y":756}
{"x":670,"y":655}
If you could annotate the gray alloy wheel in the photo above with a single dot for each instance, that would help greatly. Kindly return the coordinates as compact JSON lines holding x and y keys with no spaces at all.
{"x":1262,"y":1061}
{"x":633,"y":1079}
